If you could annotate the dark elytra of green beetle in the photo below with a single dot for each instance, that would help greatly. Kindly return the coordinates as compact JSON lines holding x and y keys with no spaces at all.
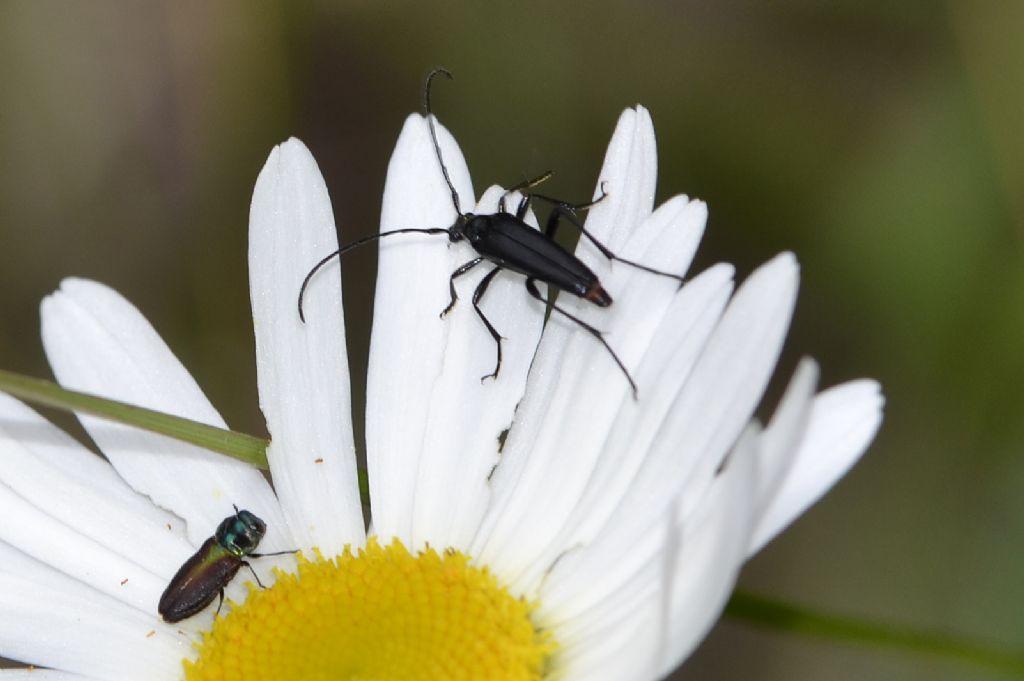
{"x":209,"y":570}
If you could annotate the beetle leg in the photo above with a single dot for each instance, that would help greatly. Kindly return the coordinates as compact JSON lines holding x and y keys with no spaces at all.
{"x":275,"y":553}
{"x":551,"y":226}
{"x":451,"y":283}
{"x":531,"y":286}
{"x":524,"y":205}
{"x":525,"y":184}
{"x":220,"y":603}
{"x":481,"y":288}
{"x":354,"y":244}
{"x":254,"y":576}
{"x":568,"y":211}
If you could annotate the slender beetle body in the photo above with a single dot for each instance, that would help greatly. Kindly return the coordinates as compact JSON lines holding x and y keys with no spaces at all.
{"x":508,"y":242}
{"x":505,"y":240}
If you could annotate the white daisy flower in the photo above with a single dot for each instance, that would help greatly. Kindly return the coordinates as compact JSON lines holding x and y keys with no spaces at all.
{"x":545,"y":524}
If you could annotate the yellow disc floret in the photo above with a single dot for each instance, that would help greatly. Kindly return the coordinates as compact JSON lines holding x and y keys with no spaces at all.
{"x":376,"y":615}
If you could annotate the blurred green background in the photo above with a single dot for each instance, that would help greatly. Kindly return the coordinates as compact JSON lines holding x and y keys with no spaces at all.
{"x":882,"y":142}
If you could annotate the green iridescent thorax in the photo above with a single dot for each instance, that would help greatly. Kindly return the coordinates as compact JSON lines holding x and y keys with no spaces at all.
{"x":211,"y":552}
{"x":239,"y":534}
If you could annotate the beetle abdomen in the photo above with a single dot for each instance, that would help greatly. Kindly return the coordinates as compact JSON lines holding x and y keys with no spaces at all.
{"x":201,"y":578}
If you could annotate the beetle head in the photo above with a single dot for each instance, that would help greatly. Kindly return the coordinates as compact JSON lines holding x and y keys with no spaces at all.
{"x":241,"y":533}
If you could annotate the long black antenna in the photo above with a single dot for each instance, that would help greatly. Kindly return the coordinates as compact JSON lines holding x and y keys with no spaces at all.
{"x":433,"y":132}
{"x":432,"y":230}
{"x":355,"y":244}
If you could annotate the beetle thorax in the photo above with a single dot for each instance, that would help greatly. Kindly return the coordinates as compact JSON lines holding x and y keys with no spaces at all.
{"x":475,"y":227}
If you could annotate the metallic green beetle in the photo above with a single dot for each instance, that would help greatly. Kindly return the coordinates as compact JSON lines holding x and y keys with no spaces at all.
{"x":209,"y":570}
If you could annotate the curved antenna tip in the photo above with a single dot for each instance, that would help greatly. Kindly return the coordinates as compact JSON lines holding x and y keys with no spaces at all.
{"x":433,"y":135}
{"x":442,"y":70}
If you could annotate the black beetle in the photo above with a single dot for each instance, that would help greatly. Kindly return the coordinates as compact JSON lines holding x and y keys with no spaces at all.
{"x":505,"y":240}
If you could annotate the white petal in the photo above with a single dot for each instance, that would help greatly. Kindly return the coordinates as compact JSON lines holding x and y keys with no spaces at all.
{"x":561,"y":425}
{"x":684,"y":447}
{"x":36,"y":448}
{"x":97,"y":342}
{"x":408,"y":341}
{"x":78,"y":630}
{"x":113,"y":572}
{"x":37,"y":674}
{"x":303,"y":368}
{"x":623,"y":222}
{"x":19,"y":564}
{"x":629,"y":176}
{"x":843,"y":421}
{"x":460,"y":444}
{"x":712,"y":553}
{"x":731,"y":377}
{"x":785,"y":431}
{"x":655,"y":620}
{"x":637,"y":320}
{"x":66,"y":511}
{"x":432,"y":425}
{"x":681,"y":338}
{"x":612,"y":654}
{"x":108,"y":536}
{"x":667,"y":240}
{"x":563,"y":429}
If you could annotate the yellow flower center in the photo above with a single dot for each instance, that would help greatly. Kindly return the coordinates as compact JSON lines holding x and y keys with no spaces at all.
{"x":379,"y":614}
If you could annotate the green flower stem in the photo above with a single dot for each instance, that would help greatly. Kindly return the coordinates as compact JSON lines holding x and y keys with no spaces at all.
{"x":247,"y":448}
{"x":240,"y":446}
{"x":780,"y":616}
